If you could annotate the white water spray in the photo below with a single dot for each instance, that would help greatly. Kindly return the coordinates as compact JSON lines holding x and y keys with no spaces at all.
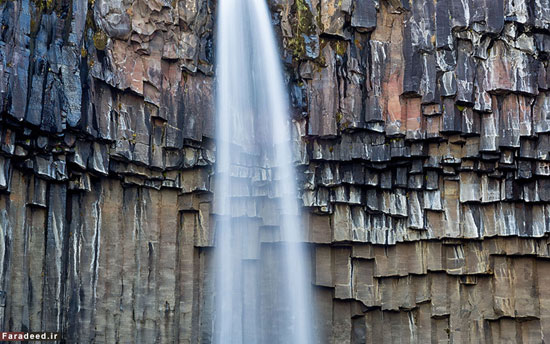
{"x":263,"y":290}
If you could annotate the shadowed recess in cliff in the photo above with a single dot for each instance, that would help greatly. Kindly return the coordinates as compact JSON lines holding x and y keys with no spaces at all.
{"x":263,"y":295}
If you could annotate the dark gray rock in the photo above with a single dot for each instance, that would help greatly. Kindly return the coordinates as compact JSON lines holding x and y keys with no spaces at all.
{"x":5,"y":173}
{"x":452,"y":117}
{"x":465,"y":73}
{"x":364,"y":14}
{"x":323,"y":98}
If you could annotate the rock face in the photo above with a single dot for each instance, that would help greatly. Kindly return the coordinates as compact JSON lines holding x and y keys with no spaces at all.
{"x":422,"y":141}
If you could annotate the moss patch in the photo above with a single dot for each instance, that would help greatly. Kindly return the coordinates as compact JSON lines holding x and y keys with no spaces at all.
{"x":100,"y":40}
{"x":304,"y":27}
{"x":341,"y":47}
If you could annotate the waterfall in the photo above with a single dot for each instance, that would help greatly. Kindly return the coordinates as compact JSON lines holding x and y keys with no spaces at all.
{"x":263,"y":288}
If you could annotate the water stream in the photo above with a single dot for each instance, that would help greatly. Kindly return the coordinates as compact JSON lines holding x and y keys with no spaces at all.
{"x":263,"y":283}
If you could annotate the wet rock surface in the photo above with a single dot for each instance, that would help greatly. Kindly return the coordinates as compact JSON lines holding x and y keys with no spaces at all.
{"x":421,"y":138}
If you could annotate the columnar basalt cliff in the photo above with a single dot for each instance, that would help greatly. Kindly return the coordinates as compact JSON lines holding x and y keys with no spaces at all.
{"x":422,"y":142}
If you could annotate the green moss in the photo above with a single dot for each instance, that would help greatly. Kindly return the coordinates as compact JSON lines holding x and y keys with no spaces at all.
{"x":339,"y":116}
{"x":306,"y":23}
{"x":47,"y":6}
{"x":341,"y":47}
{"x":304,"y":26}
{"x":344,"y":126}
{"x":460,"y":108}
{"x":50,"y":4}
{"x":100,"y":40}
{"x":296,"y":45}
{"x":35,"y":25}
{"x":90,"y":17}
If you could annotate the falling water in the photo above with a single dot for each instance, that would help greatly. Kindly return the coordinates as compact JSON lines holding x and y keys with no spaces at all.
{"x":263,"y":288}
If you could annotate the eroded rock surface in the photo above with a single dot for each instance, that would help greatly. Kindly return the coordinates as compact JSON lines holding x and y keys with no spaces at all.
{"x":421,"y":136}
